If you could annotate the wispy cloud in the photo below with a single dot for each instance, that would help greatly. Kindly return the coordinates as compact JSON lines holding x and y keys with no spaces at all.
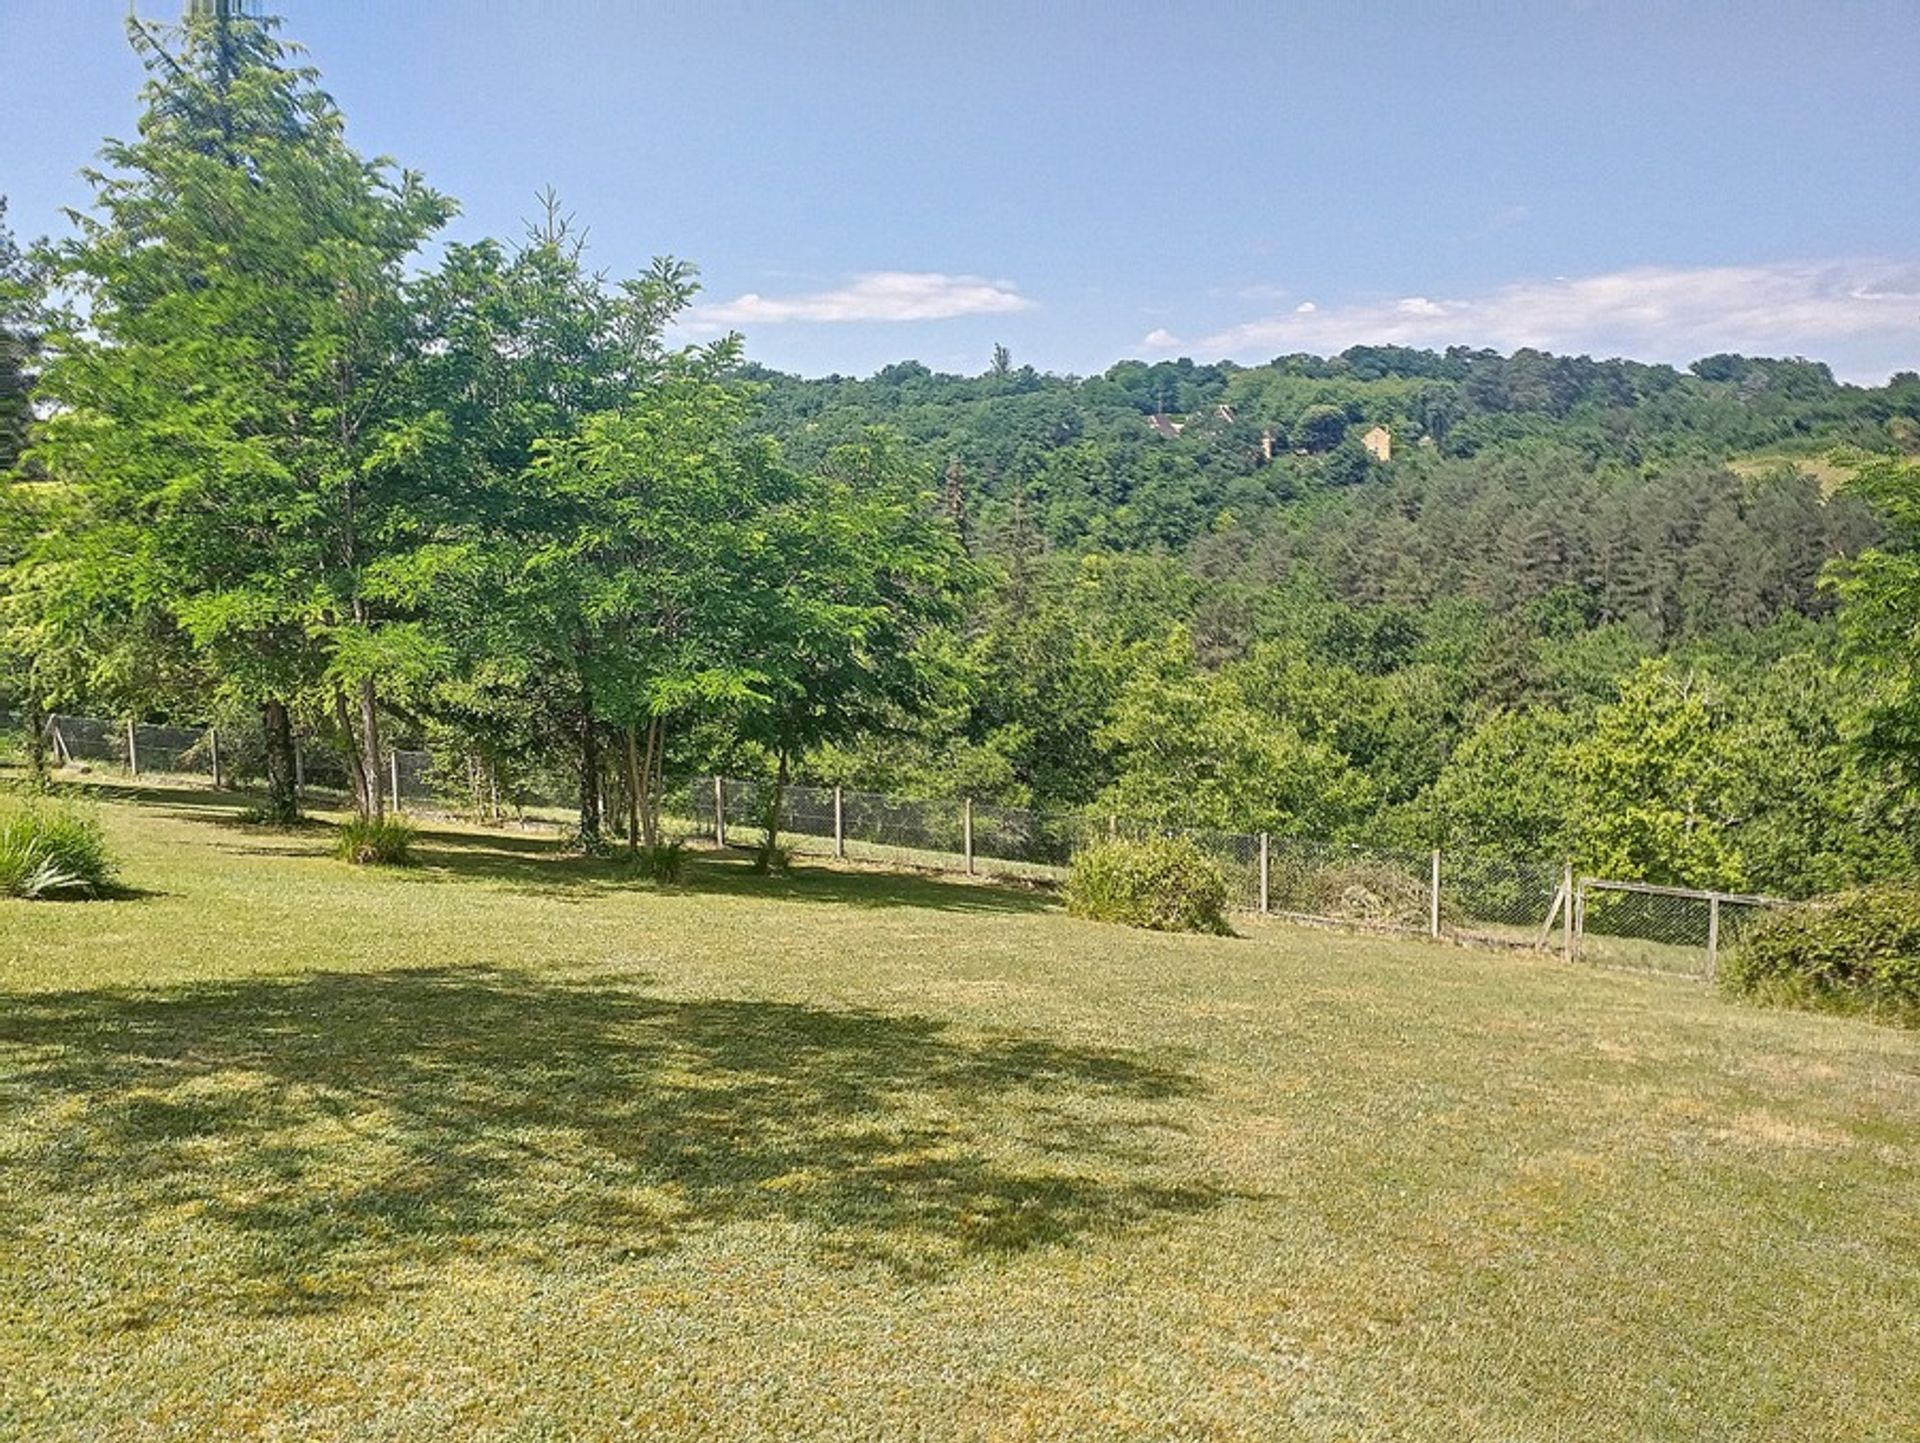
{"x":874,"y":296}
{"x":1655,"y":312}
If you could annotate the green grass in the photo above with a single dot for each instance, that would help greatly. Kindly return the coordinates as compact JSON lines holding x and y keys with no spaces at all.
{"x":507,"y":1147}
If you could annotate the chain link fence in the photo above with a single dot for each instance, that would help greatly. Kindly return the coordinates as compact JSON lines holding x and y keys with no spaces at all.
{"x":1644,"y":927}
{"x":1467,"y":897}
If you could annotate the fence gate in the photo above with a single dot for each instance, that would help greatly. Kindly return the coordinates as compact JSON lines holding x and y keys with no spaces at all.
{"x":1647,"y":927}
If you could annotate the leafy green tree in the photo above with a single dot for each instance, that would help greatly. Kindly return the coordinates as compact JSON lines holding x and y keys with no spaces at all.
{"x":866,"y":576}
{"x":1320,"y":427}
{"x":520,"y":590}
{"x":223,"y":394}
{"x":1507,"y":786}
{"x":1655,"y":792}
{"x":1879,"y":594}
{"x":1192,"y":752}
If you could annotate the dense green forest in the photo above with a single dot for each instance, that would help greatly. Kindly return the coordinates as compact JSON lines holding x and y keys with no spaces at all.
{"x":283,"y":470}
{"x":1583,"y":608}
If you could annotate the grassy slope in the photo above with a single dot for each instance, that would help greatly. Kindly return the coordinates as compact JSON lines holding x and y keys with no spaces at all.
{"x":502,"y":1150}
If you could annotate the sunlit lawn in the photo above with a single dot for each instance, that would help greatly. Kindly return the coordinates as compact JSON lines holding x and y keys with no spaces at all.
{"x":505,"y":1148}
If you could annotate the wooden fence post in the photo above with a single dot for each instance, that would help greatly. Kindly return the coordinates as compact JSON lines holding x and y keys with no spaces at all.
{"x":839,"y":824}
{"x":133,"y":751}
{"x":966,"y":832}
{"x":1566,"y":918}
{"x":299,"y":770}
{"x":213,"y":752}
{"x":1433,"y":902}
{"x":1713,"y":936}
{"x":393,"y":775}
{"x":719,"y":811}
{"x":1263,"y":874}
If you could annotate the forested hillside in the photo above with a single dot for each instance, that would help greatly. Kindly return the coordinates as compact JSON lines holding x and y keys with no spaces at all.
{"x":1579,"y":609}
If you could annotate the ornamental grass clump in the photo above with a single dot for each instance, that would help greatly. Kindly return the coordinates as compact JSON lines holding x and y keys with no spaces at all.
{"x":53,"y":850}
{"x":375,"y":842}
{"x":660,"y":862}
{"x":1166,"y":884}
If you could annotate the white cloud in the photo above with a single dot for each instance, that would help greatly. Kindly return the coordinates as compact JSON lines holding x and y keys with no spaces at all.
{"x":1651,"y":312}
{"x":1160,"y":339}
{"x":1305,"y":308}
{"x":874,"y":296}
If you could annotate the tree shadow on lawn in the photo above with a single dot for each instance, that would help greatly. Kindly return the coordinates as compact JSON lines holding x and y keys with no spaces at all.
{"x":544,"y":867}
{"x":302,"y":1143}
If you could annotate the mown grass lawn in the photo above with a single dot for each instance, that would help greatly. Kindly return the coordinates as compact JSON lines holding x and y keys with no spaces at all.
{"x":503,"y":1148}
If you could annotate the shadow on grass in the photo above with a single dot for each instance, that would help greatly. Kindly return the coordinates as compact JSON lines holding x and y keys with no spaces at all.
{"x":297,"y":1145}
{"x":543,"y":866}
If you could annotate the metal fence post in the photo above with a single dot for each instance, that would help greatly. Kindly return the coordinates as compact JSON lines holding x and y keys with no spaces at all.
{"x":719,"y":811}
{"x":133,"y":751}
{"x":839,"y":824}
{"x":299,"y":769}
{"x":966,"y":831}
{"x":1433,"y":902}
{"x":1713,"y":936}
{"x":1263,"y":874}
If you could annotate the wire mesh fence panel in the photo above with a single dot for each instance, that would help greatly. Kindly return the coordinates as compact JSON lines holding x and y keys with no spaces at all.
{"x":1644,"y":927}
{"x":88,"y":741}
{"x":1032,"y":845}
{"x":1498,"y":900}
{"x":1238,"y":858}
{"x":1328,"y":882}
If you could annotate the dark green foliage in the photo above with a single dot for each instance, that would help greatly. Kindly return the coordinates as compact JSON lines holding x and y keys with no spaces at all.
{"x":1166,"y":884}
{"x":1858,"y":951}
{"x":53,"y":850}
{"x":375,"y":842}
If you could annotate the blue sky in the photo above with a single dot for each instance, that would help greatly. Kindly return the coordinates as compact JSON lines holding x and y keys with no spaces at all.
{"x":864,"y":182}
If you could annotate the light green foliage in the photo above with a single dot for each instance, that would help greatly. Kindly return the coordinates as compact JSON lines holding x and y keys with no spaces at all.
{"x":1193,"y":751}
{"x":1857,"y":951}
{"x":1879,"y":592}
{"x":52,"y":849}
{"x":375,"y":842}
{"x":1655,"y":791}
{"x":1165,"y":884}
{"x":1507,"y":787}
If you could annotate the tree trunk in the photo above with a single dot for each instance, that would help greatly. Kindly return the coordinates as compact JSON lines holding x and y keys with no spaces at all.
{"x":775,"y":811}
{"x":36,"y":739}
{"x":283,"y":794}
{"x":632,"y":782}
{"x":349,"y":742}
{"x":370,"y":750}
{"x":649,"y":767}
{"x":589,"y":739}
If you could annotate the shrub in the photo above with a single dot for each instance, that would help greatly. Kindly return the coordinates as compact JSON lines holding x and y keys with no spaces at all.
{"x":1164,"y":883}
{"x":661,"y":862}
{"x":769,"y":860}
{"x":375,"y":842}
{"x":1858,"y":951}
{"x":51,"y":851}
